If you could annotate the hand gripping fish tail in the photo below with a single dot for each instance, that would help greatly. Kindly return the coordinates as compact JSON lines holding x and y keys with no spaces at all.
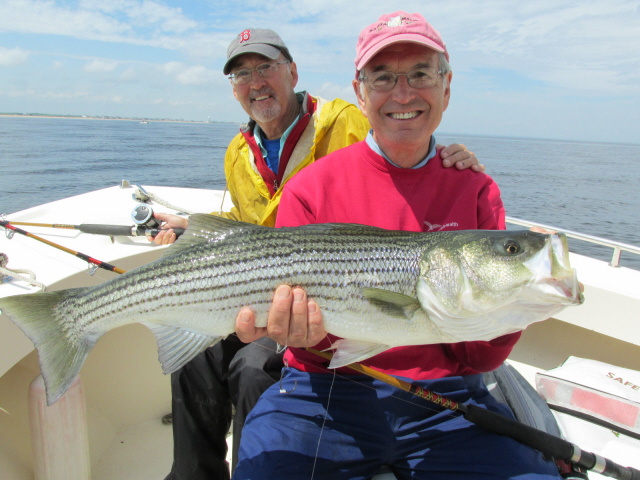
{"x":378,"y":289}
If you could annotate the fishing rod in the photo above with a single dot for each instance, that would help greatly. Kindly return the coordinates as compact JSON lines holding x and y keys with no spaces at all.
{"x":142,"y":216}
{"x":87,"y":258}
{"x":99,"y":229}
{"x":544,"y":442}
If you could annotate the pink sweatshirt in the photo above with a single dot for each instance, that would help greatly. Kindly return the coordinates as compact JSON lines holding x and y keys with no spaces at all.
{"x":356,"y":185}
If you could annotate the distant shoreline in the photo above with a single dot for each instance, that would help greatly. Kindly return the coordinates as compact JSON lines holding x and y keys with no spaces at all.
{"x":91,"y":117}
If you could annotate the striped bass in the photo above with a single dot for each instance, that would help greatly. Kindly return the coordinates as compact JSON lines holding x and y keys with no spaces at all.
{"x":377,"y":289}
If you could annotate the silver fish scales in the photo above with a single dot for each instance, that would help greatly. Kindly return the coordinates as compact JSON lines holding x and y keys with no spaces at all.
{"x":377,"y":289}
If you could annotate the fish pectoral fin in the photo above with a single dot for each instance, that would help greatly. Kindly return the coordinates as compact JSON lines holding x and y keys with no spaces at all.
{"x":352,"y":351}
{"x":177,"y":346}
{"x":392,"y":303}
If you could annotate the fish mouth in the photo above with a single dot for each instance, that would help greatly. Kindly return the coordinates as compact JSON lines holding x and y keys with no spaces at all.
{"x":556,"y":278}
{"x":568,"y":287}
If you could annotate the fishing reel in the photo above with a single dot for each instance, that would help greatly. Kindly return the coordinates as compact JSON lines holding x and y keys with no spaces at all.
{"x":146,"y":224}
{"x":142,"y":215}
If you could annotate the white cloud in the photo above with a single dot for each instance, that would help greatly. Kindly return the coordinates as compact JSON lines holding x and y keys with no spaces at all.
{"x":130,"y":75}
{"x":330,"y":90}
{"x":45,"y":17}
{"x":144,"y":13}
{"x":172,"y":68}
{"x":574,"y":46}
{"x":125,"y":21}
{"x":10,"y":57}
{"x":197,"y":75}
{"x":507,"y":56}
{"x":191,"y":75}
{"x":100,"y":66}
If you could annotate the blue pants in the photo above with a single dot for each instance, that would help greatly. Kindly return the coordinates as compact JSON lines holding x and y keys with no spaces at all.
{"x":369,"y":424}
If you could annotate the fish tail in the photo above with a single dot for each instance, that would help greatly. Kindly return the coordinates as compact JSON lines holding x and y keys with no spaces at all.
{"x":62,"y":349}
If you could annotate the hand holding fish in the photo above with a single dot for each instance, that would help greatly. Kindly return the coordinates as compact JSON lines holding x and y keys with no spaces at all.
{"x":294,"y":320}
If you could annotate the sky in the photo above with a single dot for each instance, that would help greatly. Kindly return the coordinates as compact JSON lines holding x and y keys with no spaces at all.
{"x":556,"y":69}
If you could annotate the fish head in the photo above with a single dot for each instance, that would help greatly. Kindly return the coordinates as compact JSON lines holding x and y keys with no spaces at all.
{"x":477,"y":282}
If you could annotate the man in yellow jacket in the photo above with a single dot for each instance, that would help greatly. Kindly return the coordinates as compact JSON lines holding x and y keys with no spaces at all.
{"x":287,"y":132}
{"x":323,"y":127}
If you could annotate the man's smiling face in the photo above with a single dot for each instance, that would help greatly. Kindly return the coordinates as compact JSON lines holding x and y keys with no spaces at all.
{"x":404,"y":117}
{"x":265,"y":99}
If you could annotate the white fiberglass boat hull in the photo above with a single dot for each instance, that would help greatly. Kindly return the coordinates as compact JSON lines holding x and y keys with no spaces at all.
{"x":125,"y":391}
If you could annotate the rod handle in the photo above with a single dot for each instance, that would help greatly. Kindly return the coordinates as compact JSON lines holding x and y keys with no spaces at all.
{"x":546,"y":443}
{"x":97,"y":229}
{"x":154,"y":231}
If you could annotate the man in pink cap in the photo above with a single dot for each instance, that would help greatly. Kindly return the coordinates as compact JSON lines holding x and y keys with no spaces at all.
{"x":287,"y":131}
{"x":324,"y":424}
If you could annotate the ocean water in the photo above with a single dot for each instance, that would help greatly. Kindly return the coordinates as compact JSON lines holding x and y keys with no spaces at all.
{"x":592,"y":188}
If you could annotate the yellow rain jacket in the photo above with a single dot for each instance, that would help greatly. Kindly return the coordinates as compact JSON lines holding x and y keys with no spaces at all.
{"x":331,"y":125}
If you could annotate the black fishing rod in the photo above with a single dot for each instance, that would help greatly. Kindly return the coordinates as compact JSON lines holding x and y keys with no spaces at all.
{"x":99,"y":229}
{"x":142,"y":215}
{"x":548,"y":444}
{"x":87,"y":258}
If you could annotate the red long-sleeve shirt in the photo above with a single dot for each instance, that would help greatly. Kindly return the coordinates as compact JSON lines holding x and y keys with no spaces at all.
{"x":356,"y":185}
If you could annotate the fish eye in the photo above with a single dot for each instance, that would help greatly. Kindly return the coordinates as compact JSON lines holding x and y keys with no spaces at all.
{"x":512,"y":247}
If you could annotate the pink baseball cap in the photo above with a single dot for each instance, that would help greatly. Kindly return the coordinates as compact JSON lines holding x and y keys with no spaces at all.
{"x":395,"y":28}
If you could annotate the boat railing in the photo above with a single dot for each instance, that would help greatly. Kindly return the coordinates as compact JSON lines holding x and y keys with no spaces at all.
{"x":618,"y":247}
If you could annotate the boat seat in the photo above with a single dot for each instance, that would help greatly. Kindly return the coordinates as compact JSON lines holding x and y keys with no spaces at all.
{"x":508,"y":386}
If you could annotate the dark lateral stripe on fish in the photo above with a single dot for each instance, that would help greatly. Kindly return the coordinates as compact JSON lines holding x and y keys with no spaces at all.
{"x":323,"y":291}
{"x":257,"y":295}
{"x":237,"y":267}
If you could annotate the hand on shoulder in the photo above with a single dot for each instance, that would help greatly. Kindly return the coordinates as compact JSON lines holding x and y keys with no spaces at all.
{"x":458,"y":155}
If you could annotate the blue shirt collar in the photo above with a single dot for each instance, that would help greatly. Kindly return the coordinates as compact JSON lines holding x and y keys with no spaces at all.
{"x":374,"y":146}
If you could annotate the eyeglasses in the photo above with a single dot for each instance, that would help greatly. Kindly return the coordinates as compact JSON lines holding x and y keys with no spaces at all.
{"x":424,"y":77}
{"x":265,"y":70}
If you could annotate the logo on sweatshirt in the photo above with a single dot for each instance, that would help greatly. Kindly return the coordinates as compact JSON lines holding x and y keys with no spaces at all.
{"x":435,"y":227}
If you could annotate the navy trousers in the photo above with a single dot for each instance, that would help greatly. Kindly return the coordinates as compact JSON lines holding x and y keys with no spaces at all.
{"x":317,"y":426}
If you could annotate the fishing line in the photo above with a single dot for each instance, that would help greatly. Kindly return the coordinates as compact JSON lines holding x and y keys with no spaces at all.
{"x":410,"y":400}
{"x":324,"y":421}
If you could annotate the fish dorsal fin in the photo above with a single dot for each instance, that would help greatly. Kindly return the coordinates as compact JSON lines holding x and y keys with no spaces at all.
{"x":391,"y":303}
{"x":204,"y":228}
{"x":352,"y":351}
{"x":177,"y":346}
